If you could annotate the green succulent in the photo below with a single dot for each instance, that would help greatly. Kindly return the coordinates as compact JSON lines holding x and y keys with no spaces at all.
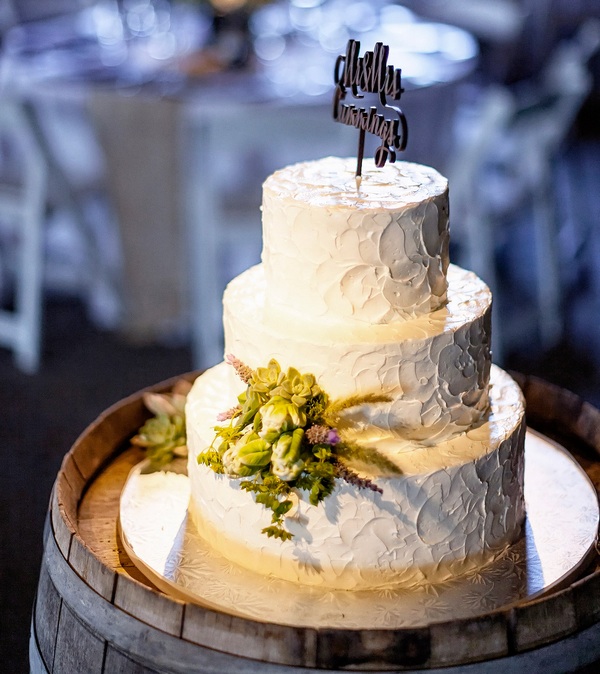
{"x":248,"y":455}
{"x":163,"y":437}
{"x":255,"y":452}
{"x":280,"y":415}
{"x":286,"y":463}
{"x":265,"y":379}
{"x":297,"y":387}
{"x":251,"y":402}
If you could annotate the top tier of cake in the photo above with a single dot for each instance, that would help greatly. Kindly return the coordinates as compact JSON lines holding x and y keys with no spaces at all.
{"x":374,"y":254}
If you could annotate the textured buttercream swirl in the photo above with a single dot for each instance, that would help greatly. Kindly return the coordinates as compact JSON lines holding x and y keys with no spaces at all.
{"x":374,"y":254}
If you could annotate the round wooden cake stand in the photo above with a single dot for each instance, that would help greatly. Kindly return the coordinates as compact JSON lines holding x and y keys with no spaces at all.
{"x":95,"y":612}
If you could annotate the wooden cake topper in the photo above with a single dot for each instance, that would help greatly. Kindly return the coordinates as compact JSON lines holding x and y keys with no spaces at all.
{"x":370,"y":74}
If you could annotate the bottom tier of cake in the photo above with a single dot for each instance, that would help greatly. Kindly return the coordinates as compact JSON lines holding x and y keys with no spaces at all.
{"x":450,"y":509}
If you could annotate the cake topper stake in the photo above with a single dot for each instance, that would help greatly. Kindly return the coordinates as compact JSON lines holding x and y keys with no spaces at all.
{"x":359,"y":157}
{"x":370,"y":74}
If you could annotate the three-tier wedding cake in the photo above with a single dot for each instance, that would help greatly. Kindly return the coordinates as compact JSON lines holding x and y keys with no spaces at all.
{"x":355,"y":288}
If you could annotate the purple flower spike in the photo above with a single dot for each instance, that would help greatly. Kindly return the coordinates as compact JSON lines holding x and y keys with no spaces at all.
{"x":223,"y":416}
{"x":319,"y":434}
{"x":333,"y":437}
{"x":243,"y":371}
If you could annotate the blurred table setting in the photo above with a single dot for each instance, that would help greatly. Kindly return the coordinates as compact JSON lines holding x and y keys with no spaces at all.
{"x":179,"y":110}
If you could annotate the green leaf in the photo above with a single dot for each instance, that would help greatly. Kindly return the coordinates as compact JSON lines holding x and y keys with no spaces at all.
{"x":282,"y":508}
{"x":247,"y":485}
{"x":228,"y":433}
{"x":268,"y":500}
{"x":304,"y":482}
{"x":277,"y":532}
{"x":275,"y":484}
{"x":256,"y":453}
{"x":249,"y":409}
{"x":315,"y":493}
{"x":322,"y":452}
{"x":212,"y":459}
{"x":320,"y":469}
{"x":159,"y":456}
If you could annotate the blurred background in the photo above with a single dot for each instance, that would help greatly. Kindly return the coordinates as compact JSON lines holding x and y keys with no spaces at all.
{"x":134,"y":138}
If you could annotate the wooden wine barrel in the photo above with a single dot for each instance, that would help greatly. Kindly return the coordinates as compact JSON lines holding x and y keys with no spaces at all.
{"x":94,"y":611}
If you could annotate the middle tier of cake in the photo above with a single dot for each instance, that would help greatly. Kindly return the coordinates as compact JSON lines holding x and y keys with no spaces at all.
{"x":435,"y":369}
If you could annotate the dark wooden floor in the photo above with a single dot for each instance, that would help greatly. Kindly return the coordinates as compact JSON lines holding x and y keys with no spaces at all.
{"x":85,"y":370}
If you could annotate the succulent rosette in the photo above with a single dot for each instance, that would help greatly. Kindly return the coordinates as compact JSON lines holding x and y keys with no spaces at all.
{"x":298,"y":388}
{"x":164,"y":435}
{"x":280,"y":415}
{"x":247,"y":455}
{"x":265,"y":379}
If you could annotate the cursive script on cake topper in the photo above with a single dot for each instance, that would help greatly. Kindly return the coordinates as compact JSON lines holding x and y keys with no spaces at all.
{"x":370,"y":74}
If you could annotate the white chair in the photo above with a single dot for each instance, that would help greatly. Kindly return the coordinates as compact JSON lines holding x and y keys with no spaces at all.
{"x":61,"y":171}
{"x":85,"y":257}
{"x":22,"y":208}
{"x":505,"y":163}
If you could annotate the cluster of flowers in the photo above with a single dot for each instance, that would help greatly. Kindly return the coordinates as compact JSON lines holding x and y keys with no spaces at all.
{"x":283,"y":434}
{"x":272,"y":420}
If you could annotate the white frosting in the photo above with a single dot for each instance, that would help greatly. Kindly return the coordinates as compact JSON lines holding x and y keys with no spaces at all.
{"x":370,"y":255}
{"x":355,"y":288}
{"x":435,"y":368}
{"x":453,"y":505}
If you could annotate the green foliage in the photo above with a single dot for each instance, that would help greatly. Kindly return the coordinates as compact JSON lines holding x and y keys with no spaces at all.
{"x":298,"y":388}
{"x":268,"y":483}
{"x":265,"y":379}
{"x":277,"y":532}
{"x":315,"y":408}
{"x":212,"y":459}
{"x":228,"y":433}
{"x":159,"y":455}
{"x":271,"y":491}
{"x":319,"y":480}
{"x":250,"y":407}
{"x":265,"y":439}
{"x":322,"y":452}
{"x":256,"y":453}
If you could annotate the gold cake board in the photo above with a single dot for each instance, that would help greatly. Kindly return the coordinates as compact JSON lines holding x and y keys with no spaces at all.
{"x":559,"y":539}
